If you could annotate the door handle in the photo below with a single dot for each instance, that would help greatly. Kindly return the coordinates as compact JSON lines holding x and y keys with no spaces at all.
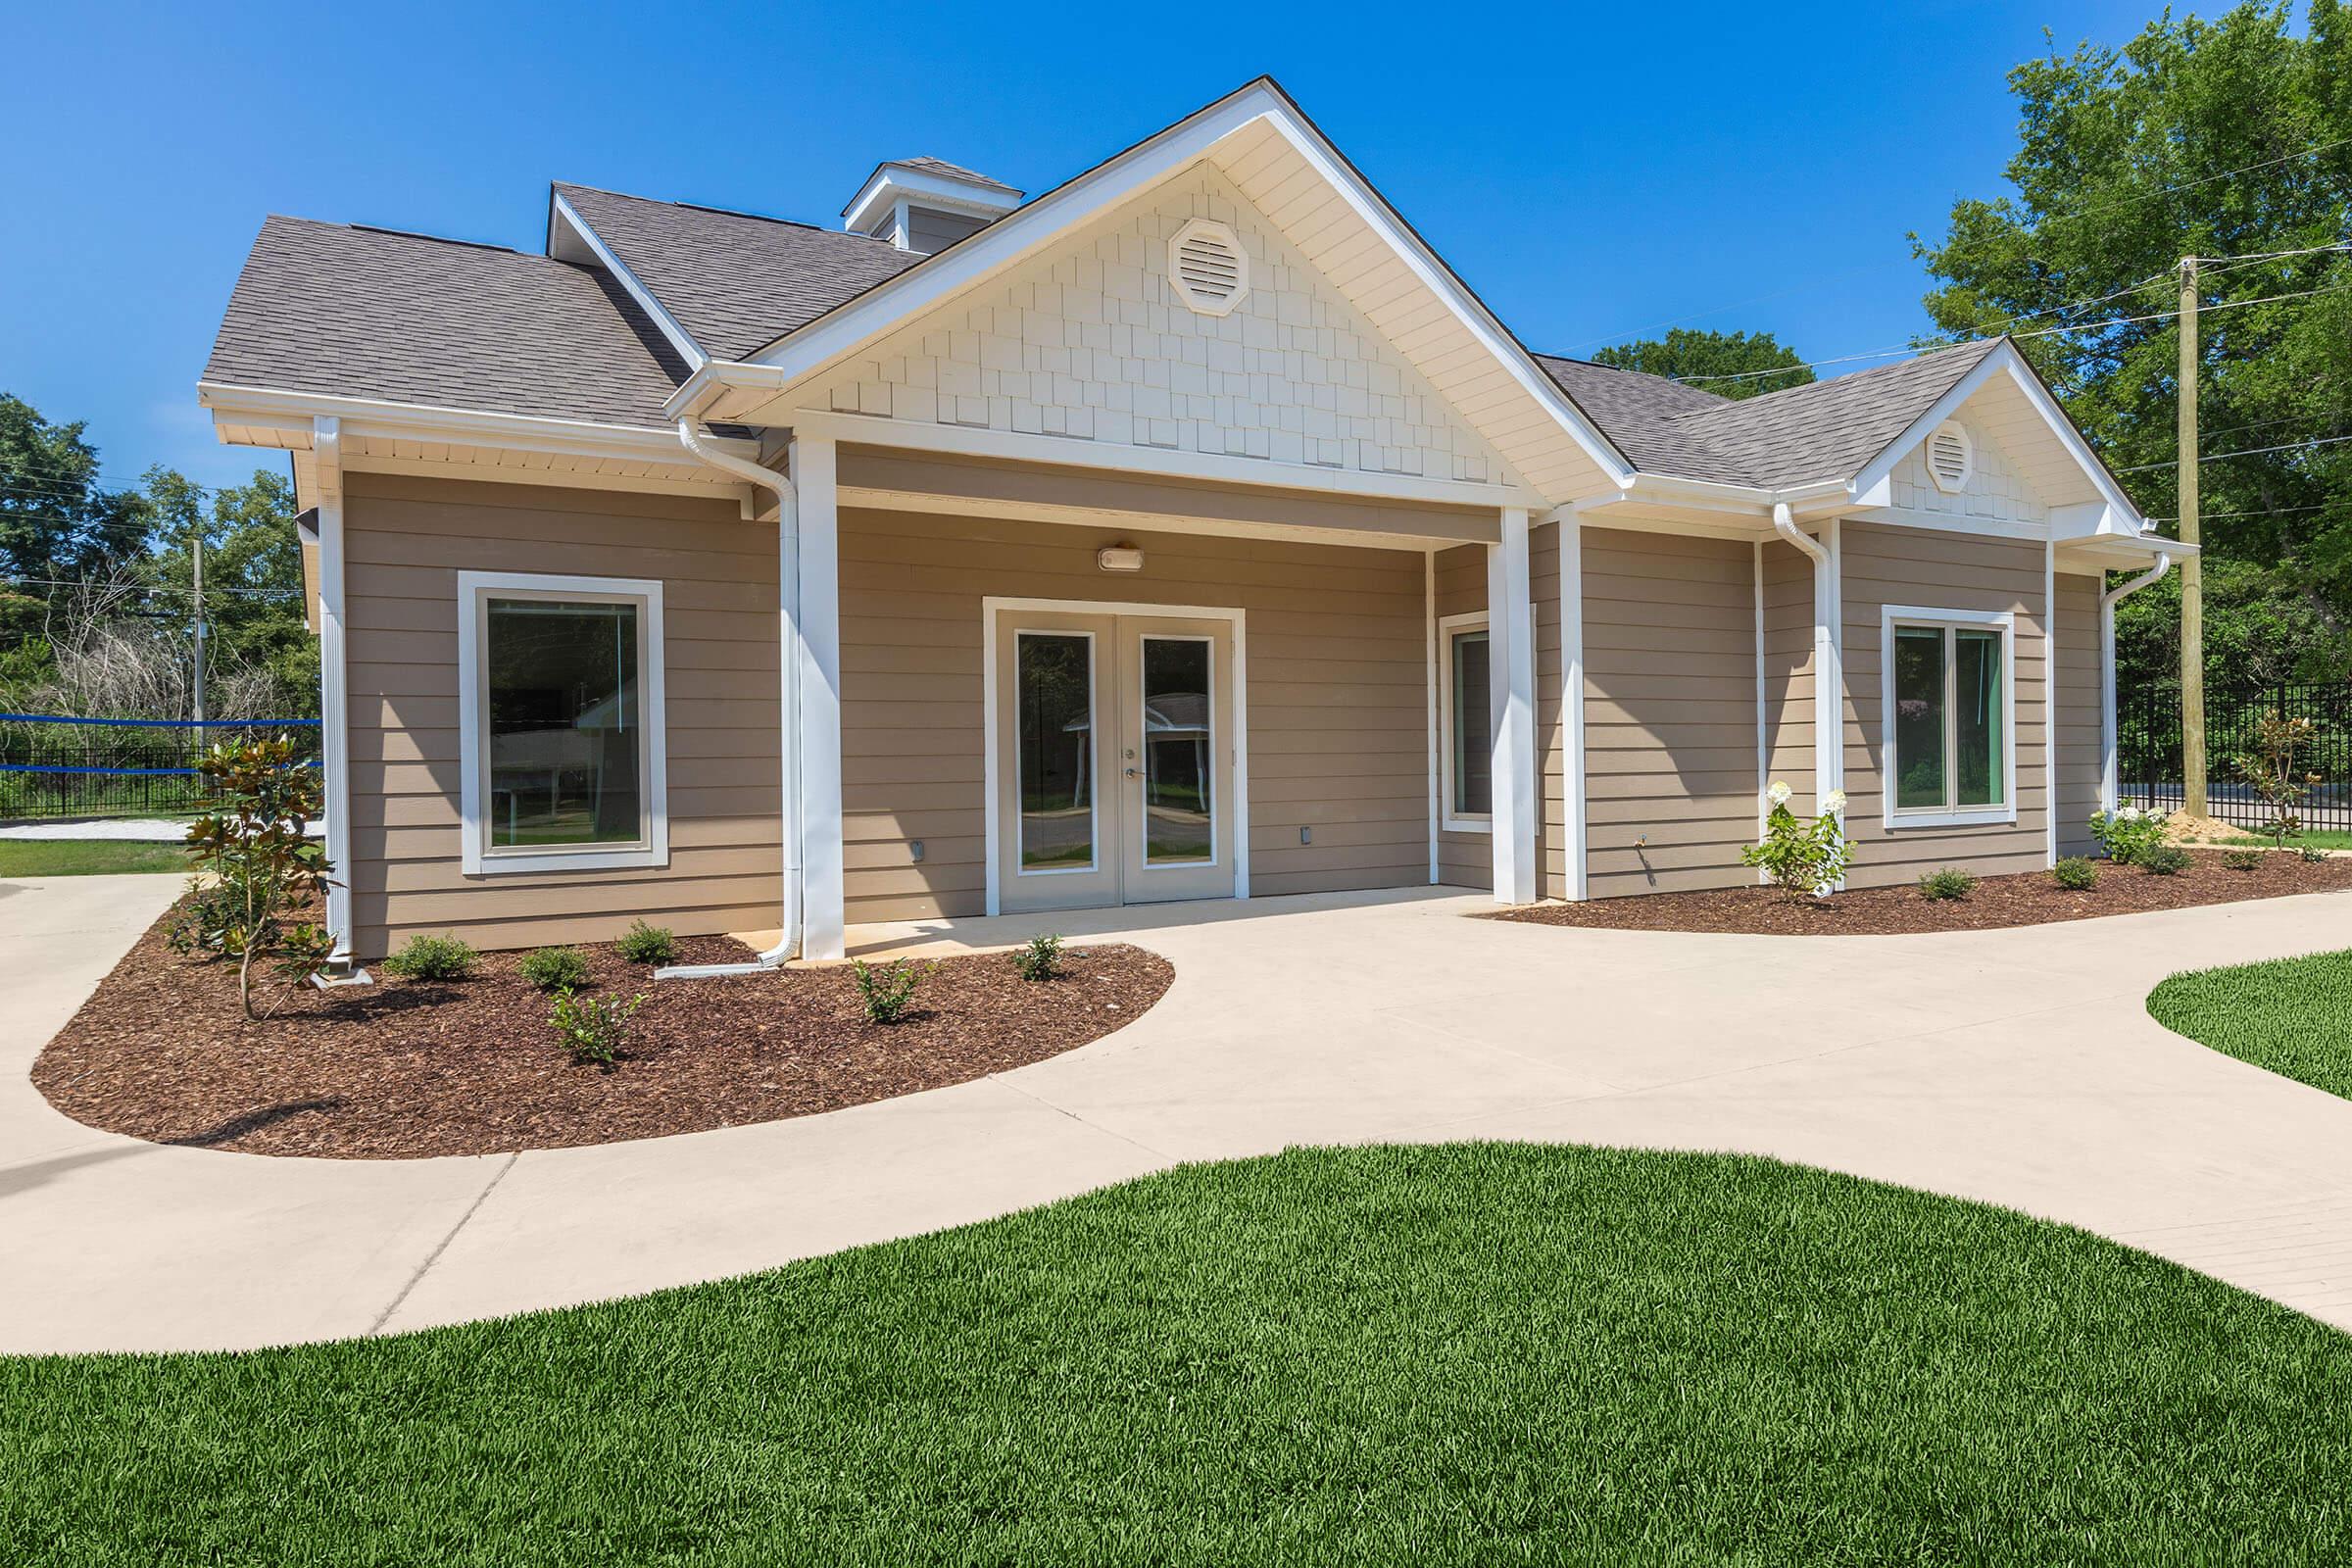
{"x":1131,"y":773}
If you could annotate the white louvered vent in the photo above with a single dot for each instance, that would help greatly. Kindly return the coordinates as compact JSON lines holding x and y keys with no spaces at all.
{"x":1209,"y":266}
{"x":1952,"y":456}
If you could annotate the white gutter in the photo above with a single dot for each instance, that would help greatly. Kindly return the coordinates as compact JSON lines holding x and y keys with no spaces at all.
{"x":788,"y":656}
{"x":2110,"y":785}
{"x":1829,"y":681}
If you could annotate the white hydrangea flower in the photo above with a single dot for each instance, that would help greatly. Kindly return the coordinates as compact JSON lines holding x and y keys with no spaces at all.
{"x":2130,"y":813}
{"x":1833,"y":802}
{"x":1779,"y":794}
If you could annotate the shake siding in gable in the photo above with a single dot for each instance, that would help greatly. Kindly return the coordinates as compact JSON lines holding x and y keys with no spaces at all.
{"x":405,"y":539}
{"x":1929,"y":570}
{"x":1337,"y":699}
{"x":1669,"y":711}
{"x":2080,"y":761}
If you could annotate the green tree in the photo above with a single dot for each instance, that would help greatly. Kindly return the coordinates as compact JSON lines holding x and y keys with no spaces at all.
{"x":57,"y":524}
{"x":2228,"y":138}
{"x":1754,"y":362}
{"x":252,"y":574}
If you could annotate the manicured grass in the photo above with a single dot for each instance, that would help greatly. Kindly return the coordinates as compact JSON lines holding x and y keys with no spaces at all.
{"x":2292,"y":1016}
{"x":1473,"y":1354}
{"x":87,"y":857}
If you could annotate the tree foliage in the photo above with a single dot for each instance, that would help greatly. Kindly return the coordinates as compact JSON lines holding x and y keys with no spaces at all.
{"x":1685,"y":354}
{"x":2220,"y":138}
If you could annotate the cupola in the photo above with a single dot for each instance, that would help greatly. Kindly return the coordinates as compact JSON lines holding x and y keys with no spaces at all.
{"x":925,"y":203}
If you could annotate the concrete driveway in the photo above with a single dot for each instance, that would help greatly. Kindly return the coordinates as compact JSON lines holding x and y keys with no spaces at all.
{"x":2015,"y":1066}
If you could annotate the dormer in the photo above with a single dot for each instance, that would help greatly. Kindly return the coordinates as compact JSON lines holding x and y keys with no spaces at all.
{"x":925,"y":205}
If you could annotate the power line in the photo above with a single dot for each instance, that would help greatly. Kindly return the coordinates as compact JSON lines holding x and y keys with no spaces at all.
{"x":2268,"y":512}
{"x":2250,"y":452}
{"x":2192,"y":184}
{"x":150,"y":587}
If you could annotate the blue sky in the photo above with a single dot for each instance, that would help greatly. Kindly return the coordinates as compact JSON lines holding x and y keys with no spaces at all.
{"x":1596,"y":172}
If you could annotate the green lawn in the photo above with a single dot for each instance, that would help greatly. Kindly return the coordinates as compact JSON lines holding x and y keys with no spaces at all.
{"x":87,"y":857}
{"x":2292,"y":1016}
{"x":1475,"y":1353}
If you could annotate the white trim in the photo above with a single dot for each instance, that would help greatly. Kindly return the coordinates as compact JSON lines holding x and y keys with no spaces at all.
{"x":834,"y":336}
{"x":334,"y":684}
{"x":1013,"y":446}
{"x":1143,"y":706}
{"x":822,"y":876}
{"x":992,"y":761}
{"x":292,"y":413}
{"x":2049,"y":701}
{"x":897,"y":182}
{"x":1510,"y":609}
{"x":1094,"y":747}
{"x":476,"y":857}
{"x":1448,"y":628}
{"x":1574,"y":803}
{"x":671,"y":327}
{"x":1429,"y":626}
{"x":1763,"y":730}
{"x":1894,"y":820}
{"x":1949,"y":523}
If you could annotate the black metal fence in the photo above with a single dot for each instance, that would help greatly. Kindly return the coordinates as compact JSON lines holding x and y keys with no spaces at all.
{"x":2150,"y":770}
{"x":58,"y":767}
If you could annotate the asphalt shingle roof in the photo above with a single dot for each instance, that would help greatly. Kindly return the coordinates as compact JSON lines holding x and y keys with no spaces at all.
{"x":370,"y":313}
{"x":941,"y":167}
{"x":735,"y":282}
{"x":1823,"y":430}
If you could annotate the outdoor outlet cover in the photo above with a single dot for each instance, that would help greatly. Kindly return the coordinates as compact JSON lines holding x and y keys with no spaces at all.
{"x":916,"y":845}
{"x":1306,"y":835}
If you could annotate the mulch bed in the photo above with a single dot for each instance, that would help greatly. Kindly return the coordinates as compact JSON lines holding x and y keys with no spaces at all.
{"x":2024,"y":898}
{"x":402,"y":1069}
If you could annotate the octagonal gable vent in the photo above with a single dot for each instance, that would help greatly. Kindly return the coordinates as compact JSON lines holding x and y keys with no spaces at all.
{"x":1952,"y":456}
{"x":1209,"y":266}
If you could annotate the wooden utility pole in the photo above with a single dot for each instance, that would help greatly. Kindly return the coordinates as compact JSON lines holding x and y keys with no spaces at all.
{"x":2192,"y":571}
{"x":197,"y":551}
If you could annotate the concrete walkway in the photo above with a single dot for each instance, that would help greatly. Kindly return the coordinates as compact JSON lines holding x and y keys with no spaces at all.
{"x":2017,"y":1066}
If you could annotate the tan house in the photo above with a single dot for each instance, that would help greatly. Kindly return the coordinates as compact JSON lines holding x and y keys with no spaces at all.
{"x":1189,"y":531}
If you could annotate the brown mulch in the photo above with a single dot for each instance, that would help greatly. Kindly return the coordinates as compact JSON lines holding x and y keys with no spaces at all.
{"x":2024,"y":898}
{"x":403,"y":1069}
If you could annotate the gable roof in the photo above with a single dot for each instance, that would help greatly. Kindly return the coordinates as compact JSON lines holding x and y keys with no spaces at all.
{"x":1822,"y":430}
{"x":734,"y":280}
{"x":347,"y":311}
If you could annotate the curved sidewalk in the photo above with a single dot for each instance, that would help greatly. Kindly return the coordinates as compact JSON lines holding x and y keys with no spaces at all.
{"x":2015,"y":1066}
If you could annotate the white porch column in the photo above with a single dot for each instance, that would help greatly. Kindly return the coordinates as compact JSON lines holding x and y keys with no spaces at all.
{"x":811,"y":466}
{"x":1511,"y":671}
{"x":1571,"y":700}
{"x":334,"y":681}
{"x":1829,"y":669}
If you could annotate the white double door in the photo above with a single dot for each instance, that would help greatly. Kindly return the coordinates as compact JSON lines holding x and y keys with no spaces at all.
{"x":1114,"y":749}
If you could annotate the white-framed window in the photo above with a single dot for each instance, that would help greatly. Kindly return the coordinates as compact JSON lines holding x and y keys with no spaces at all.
{"x":1055,"y":745}
{"x":560,"y":722}
{"x":1948,"y":696}
{"x":1466,"y":725}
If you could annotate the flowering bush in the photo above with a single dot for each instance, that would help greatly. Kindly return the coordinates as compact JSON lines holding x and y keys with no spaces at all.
{"x":2127,"y":833}
{"x":1802,"y":858}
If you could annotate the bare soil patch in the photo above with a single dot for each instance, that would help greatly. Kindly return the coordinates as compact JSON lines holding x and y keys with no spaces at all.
{"x":402,"y":1069}
{"x":2024,"y":898}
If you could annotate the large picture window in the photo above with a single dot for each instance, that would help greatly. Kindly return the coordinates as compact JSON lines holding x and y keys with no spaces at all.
{"x":561,"y":722}
{"x":1950,"y":710}
{"x":1467,"y":725}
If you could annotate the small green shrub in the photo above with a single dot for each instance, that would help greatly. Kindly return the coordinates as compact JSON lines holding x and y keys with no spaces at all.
{"x":888,"y":991}
{"x":433,"y":958}
{"x":2127,"y":832}
{"x":1803,"y":858}
{"x":2076,"y":874}
{"x":2244,"y":859}
{"x":1041,"y":959}
{"x":647,"y":944}
{"x":2310,"y":855}
{"x":1948,"y":882}
{"x":594,"y":1027}
{"x":555,"y":968}
{"x":2164,"y":860}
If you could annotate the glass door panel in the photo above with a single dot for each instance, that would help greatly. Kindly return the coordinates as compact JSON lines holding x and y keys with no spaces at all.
{"x":1053,"y":686}
{"x":1179,"y":741}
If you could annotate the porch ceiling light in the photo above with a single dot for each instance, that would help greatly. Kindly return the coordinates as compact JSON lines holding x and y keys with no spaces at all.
{"x":1119,"y":557}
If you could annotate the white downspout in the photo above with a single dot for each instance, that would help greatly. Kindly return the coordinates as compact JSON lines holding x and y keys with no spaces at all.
{"x":788,"y":738}
{"x":1829,"y":722}
{"x":2109,"y":785}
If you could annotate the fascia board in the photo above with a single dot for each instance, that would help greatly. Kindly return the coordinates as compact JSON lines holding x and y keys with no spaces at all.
{"x":893,"y":180}
{"x":274,"y":408}
{"x":671,"y":328}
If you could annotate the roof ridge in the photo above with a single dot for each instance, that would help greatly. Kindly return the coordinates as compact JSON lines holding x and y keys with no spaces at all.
{"x":722,"y":211}
{"x":1762,"y":398}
